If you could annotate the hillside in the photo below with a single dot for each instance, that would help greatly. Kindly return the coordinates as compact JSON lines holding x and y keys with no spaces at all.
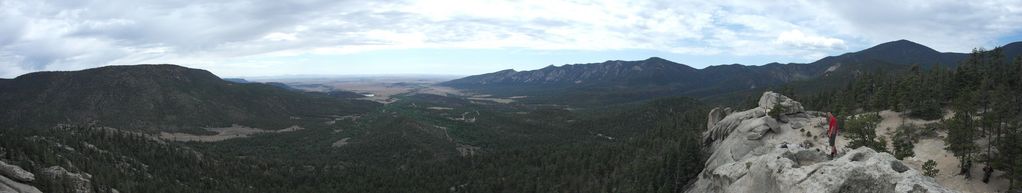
{"x":609,"y":73}
{"x":589,"y":84}
{"x":158,"y":97}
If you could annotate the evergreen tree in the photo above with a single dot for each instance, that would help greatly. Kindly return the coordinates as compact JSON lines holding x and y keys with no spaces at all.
{"x":861,"y":130}
{"x":961,"y":136}
{"x":903,"y":140}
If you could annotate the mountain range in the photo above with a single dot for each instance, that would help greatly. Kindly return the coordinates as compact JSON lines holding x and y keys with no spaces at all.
{"x":589,"y":84}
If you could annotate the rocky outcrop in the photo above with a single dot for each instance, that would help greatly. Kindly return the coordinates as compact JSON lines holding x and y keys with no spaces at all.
{"x":15,"y":172}
{"x":752,"y":152}
{"x":716,"y":114}
{"x":13,"y":179}
{"x":10,"y":186}
{"x":769,"y":99}
{"x":61,"y":180}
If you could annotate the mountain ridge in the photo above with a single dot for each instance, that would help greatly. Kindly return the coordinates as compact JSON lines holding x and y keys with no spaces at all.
{"x":710,"y":81}
{"x":160,"y":97}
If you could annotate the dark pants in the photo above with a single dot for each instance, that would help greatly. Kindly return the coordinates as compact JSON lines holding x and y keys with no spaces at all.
{"x":833,"y":139}
{"x":833,"y":144}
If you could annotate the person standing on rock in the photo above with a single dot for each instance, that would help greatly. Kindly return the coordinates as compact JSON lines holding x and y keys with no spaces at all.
{"x":832,"y":133}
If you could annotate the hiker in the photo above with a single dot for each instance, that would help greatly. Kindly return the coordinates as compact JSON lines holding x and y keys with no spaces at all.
{"x":987,"y":171}
{"x":832,"y":133}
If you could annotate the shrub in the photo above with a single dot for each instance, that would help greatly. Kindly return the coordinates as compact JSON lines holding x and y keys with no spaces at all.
{"x":861,"y":130}
{"x":775,"y":111}
{"x":904,"y":140}
{"x":930,"y":168}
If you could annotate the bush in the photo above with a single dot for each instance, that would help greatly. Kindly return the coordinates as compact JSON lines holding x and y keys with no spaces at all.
{"x":775,"y":111}
{"x":904,"y":140}
{"x":861,"y":130}
{"x":930,"y":168}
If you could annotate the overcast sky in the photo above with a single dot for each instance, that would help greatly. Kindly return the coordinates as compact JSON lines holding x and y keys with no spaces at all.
{"x":237,"y":38}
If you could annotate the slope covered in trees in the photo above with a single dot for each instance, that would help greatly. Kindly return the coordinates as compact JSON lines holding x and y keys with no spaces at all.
{"x":984,"y":93}
{"x":158,"y":97}
{"x":653,"y":156}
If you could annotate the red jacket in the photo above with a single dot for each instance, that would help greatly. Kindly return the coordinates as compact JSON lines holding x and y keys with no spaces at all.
{"x":833,"y":126}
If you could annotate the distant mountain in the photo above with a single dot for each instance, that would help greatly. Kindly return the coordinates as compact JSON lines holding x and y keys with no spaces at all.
{"x":158,"y":97}
{"x":612,"y":81}
{"x":1012,"y":51}
{"x":614,"y":72}
{"x":897,"y":52}
{"x":625,"y":81}
{"x":236,"y":80}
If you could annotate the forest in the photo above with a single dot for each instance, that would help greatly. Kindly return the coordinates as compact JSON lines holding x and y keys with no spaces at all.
{"x":980,"y":100}
{"x":660,"y":158}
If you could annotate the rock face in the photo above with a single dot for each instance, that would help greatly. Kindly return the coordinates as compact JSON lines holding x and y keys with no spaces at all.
{"x":769,"y":99}
{"x":715,"y":116}
{"x":12,"y":178}
{"x":61,"y":180}
{"x":10,"y":186}
{"x":15,"y":172}
{"x":751,"y":152}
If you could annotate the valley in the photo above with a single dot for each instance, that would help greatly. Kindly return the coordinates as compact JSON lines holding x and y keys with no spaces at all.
{"x":651,"y":125}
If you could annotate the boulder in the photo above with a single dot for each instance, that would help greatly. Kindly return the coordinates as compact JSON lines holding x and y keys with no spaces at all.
{"x":8,"y":185}
{"x":61,"y":180}
{"x":729,"y":123}
{"x":716,"y":114}
{"x":769,"y":99}
{"x":750,"y":152}
{"x":15,"y":172}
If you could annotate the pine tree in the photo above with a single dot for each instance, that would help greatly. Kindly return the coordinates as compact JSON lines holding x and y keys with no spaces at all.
{"x":961,"y":136}
{"x":861,"y":130}
{"x":903,"y":141}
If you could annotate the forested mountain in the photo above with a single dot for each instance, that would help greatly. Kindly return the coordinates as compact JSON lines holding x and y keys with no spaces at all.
{"x":640,"y":139}
{"x":610,"y":73}
{"x":587,"y":84}
{"x":157,"y":97}
{"x":901,"y":52}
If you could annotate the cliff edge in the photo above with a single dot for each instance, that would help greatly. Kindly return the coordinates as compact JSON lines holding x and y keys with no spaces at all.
{"x":751,"y":151}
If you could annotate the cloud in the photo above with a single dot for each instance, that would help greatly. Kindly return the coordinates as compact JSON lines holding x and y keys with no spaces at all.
{"x":798,"y":39}
{"x":945,"y":25}
{"x":75,"y":34}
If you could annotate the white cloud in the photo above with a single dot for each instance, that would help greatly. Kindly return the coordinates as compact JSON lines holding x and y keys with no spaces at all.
{"x":73,"y":34}
{"x":945,"y":25}
{"x":278,"y":36}
{"x":798,"y":39}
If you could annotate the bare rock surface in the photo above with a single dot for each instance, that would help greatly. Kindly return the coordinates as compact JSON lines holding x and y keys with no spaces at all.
{"x":10,"y":186}
{"x":15,"y":172}
{"x":769,"y":99}
{"x":61,"y":180}
{"x":752,"y":152}
{"x":13,"y":179}
{"x":715,"y":116}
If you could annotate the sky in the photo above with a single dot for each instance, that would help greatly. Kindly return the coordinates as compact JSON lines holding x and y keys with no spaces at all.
{"x":246,"y":38}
